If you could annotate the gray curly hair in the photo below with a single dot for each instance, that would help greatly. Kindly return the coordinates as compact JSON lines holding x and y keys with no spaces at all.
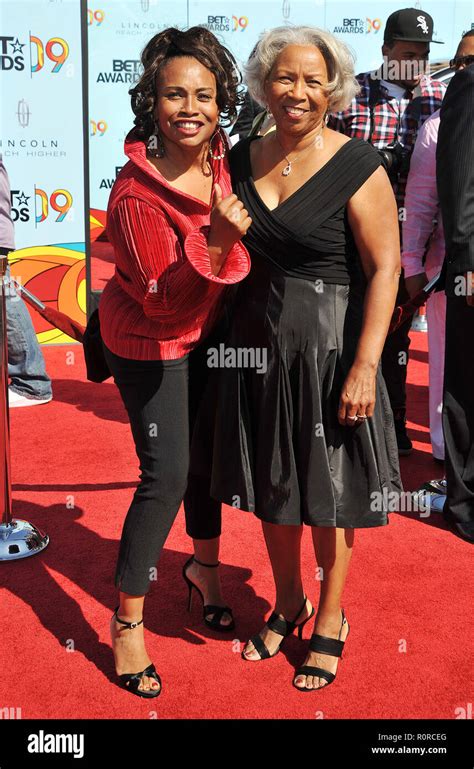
{"x":342,"y":85}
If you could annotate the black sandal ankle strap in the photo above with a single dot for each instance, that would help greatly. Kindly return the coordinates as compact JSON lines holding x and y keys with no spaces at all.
{"x":279,"y":625}
{"x":300,"y":611}
{"x":325,"y":644}
{"x":130,"y":625}
{"x":282,"y":626}
{"x":207,"y":565}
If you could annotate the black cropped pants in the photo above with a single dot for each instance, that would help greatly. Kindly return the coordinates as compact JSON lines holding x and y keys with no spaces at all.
{"x":162,"y":398}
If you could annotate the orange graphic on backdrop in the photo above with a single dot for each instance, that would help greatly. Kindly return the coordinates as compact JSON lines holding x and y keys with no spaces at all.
{"x":98,"y":221}
{"x":57,"y":276}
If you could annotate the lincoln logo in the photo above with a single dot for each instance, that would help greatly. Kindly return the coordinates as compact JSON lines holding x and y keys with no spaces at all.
{"x":422,"y":23}
{"x":23,"y":113}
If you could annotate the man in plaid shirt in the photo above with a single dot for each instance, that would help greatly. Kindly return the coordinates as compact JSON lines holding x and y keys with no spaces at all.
{"x":391,"y":106}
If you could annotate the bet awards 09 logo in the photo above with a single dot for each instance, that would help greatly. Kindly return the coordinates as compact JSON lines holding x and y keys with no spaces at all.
{"x":226,"y":23}
{"x":358,"y":26}
{"x":57,"y":205}
{"x":50,"y":54}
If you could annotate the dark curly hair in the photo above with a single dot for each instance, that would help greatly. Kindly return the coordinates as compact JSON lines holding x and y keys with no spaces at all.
{"x":202,"y":45}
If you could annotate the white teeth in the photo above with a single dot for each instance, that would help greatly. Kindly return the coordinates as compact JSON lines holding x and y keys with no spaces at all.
{"x":188,"y":125}
{"x":294,"y":111}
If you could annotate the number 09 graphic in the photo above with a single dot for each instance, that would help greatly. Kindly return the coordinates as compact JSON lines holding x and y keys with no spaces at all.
{"x":95,"y":16}
{"x":62,"y":209}
{"x":98,"y":127}
{"x":373,"y":24}
{"x":240,"y":22}
{"x":59,"y":57}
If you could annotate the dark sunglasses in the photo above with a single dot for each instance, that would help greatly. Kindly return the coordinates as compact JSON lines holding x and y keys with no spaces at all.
{"x":462,"y":60}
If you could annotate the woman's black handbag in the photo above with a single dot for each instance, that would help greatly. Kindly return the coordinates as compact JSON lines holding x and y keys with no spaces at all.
{"x":96,"y":364}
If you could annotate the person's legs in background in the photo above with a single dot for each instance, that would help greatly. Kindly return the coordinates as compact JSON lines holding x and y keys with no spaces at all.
{"x":394,"y":369}
{"x":30,"y":385}
{"x":458,"y":417}
{"x":436,"y":318}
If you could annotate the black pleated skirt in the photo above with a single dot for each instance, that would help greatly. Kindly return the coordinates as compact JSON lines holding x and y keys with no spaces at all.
{"x":268,"y":433}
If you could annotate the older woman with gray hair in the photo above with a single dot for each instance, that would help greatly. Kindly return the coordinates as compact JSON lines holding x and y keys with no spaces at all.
{"x":309,"y":437}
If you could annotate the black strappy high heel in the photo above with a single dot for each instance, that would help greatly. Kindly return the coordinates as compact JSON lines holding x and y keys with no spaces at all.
{"x":324,"y":645}
{"x":281,"y":626}
{"x":131,"y":681}
{"x":218,"y":611}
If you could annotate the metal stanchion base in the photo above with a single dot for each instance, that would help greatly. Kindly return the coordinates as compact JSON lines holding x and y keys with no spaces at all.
{"x":19,"y":539}
{"x":419,"y":323}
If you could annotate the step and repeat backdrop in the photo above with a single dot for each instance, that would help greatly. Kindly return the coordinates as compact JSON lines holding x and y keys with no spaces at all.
{"x":118,"y":31}
{"x":42,"y":145}
{"x":66,"y":69}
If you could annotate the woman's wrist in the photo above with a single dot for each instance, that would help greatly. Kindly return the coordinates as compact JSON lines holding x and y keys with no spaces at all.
{"x":364,"y":364}
{"x":217,"y":258}
{"x":218,"y":245}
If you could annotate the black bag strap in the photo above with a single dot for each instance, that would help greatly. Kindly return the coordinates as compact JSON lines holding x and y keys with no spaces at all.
{"x":96,"y":364}
{"x":375,"y":90}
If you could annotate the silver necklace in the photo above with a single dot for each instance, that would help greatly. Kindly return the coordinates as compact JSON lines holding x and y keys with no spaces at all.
{"x":287,"y":169}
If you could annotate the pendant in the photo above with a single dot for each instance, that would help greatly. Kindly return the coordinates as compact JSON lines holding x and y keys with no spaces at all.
{"x":287,"y":169}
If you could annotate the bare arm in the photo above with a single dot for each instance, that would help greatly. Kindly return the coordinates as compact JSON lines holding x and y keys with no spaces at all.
{"x":373,"y":218}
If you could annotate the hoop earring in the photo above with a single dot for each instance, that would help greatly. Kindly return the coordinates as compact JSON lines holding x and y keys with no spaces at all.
{"x":223,"y":151}
{"x":155,"y":144}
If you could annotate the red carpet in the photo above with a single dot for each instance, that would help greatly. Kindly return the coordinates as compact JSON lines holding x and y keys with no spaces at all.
{"x":74,"y":470}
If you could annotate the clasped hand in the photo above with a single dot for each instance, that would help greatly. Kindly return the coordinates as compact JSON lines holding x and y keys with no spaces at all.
{"x":357,"y":400}
{"x":229,"y":221}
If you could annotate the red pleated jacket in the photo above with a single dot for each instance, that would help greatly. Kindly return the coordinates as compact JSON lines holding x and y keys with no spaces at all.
{"x":163,"y":298}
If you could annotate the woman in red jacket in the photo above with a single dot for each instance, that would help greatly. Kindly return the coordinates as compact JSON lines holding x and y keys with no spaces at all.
{"x":176,"y":229}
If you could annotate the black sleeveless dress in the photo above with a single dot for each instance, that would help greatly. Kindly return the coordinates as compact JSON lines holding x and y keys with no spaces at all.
{"x":268,"y":434}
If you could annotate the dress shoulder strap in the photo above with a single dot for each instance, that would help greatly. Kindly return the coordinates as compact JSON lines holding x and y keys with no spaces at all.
{"x":354,"y":166}
{"x":239,"y":159}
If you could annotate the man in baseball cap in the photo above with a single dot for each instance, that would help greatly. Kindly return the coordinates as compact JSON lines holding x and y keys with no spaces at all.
{"x":407,"y":37}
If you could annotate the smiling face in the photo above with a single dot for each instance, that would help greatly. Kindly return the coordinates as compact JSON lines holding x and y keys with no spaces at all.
{"x":294,"y":90}
{"x":186,"y":109}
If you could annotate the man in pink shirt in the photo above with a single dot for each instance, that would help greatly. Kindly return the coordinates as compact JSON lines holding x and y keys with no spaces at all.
{"x":424,"y":248}
{"x":423,"y":234}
